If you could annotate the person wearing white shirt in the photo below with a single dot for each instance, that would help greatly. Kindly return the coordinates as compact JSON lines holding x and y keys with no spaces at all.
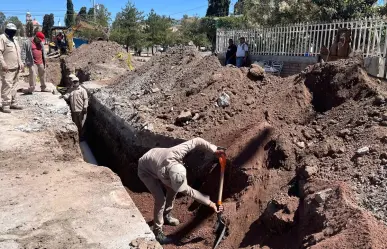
{"x":242,"y":53}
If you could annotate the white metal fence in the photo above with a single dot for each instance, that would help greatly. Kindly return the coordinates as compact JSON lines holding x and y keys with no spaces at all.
{"x":306,"y":39}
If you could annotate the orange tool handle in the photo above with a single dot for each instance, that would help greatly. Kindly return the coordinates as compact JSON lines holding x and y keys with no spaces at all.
{"x":222,"y":162}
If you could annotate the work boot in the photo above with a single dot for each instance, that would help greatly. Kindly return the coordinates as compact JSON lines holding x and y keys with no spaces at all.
{"x":171,"y":221}
{"x":161,"y":238}
{"x":45,"y":90}
{"x":16,"y":107}
{"x":6,"y":109}
{"x":26,"y":92}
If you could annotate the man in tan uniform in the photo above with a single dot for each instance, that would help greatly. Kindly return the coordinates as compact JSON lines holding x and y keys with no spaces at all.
{"x":164,"y":166}
{"x":79,"y":102}
{"x":10,"y":67}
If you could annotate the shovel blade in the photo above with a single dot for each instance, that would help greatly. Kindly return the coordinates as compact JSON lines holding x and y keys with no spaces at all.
{"x":220,"y":232}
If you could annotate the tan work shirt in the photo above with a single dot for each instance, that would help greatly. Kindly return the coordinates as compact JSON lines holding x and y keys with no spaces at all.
{"x":163,"y":163}
{"x":79,"y":100}
{"x":10,"y":55}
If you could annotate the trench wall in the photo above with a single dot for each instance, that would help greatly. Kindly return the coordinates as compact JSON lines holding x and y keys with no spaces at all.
{"x":118,"y":145}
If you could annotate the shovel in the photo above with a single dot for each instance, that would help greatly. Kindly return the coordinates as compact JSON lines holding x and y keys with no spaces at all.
{"x":220,"y":226}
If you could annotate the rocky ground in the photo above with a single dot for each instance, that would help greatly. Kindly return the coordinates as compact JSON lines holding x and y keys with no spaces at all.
{"x":307,"y":152}
{"x":51,"y":198}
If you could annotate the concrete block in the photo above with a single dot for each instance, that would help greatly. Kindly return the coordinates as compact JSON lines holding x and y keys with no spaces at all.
{"x":375,"y":66}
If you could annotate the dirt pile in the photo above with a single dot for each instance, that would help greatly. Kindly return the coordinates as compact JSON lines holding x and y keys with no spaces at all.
{"x":305,"y":151}
{"x":160,"y":79}
{"x":53,"y":71}
{"x":183,"y":80}
{"x":98,"y":60}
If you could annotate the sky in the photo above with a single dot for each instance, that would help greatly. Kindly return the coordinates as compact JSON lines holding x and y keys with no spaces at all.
{"x":38,"y":8}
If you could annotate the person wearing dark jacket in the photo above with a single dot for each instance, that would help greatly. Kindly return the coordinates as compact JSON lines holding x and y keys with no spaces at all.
{"x":231,"y":53}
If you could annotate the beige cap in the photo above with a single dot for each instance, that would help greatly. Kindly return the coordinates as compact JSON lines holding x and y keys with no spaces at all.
{"x":73,"y":77}
{"x":11,"y":26}
{"x":178,"y":176}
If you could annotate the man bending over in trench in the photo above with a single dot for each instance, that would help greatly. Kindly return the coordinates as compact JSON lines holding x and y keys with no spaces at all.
{"x":164,"y":166}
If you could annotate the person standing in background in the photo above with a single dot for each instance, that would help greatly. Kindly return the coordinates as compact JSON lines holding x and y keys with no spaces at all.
{"x":34,"y":58}
{"x":231,"y":53}
{"x":242,"y":53}
{"x":11,"y":65}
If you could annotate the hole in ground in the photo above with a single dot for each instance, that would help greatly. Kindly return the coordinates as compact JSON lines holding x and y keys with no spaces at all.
{"x":331,"y":84}
{"x":113,"y":145}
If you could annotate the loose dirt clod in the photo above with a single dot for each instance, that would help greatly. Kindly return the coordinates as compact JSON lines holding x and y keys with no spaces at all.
{"x":289,"y":140}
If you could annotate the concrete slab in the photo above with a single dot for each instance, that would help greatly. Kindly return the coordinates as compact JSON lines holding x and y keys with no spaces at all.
{"x":50,"y":197}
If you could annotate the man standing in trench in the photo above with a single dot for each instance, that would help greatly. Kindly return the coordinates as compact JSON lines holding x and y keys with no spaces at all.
{"x":34,"y":58}
{"x":79,"y":102}
{"x":10,"y":66}
{"x":164,"y":167}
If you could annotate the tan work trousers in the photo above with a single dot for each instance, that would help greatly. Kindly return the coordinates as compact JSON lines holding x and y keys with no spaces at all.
{"x":79,"y":119}
{"x":35,"y":71}
{"x":163,"y":204}
{"x":9,"y":82}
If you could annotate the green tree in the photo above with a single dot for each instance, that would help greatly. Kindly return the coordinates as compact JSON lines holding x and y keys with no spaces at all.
{"x":332,"y":9}
{"x":103,"y":16}
{"x":128,"y":26}
{"x":15,"y":20}
{"x":51,"y":21}
{"x":157,"y":29}
{"x":2,"y":22}
{"x":30,"y":29}
{"x":218,"y":7}
{"x":101,"y":24}
{"x":70,"y":14}
{"x":382,"y":10}
{"x":191,"y":30}
{"x":275,"y":12}
{"x":90,"y":14}
{"x":48,"y":23}
{"x":209,"y":25}
{"x":239,"y":7}
{"x":82,"y":14}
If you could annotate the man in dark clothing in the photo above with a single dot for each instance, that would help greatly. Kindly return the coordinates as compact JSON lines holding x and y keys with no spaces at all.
{"x":231,"y":53}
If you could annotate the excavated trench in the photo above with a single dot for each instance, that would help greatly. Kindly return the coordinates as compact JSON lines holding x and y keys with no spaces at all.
{"x":257,"y":210}
{"x":267,"y":201}
{"x":255,"y":175}
{"x":250,"y":181}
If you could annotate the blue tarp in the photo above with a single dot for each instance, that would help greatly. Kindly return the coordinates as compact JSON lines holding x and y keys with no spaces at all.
{"x":78,"y":42}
